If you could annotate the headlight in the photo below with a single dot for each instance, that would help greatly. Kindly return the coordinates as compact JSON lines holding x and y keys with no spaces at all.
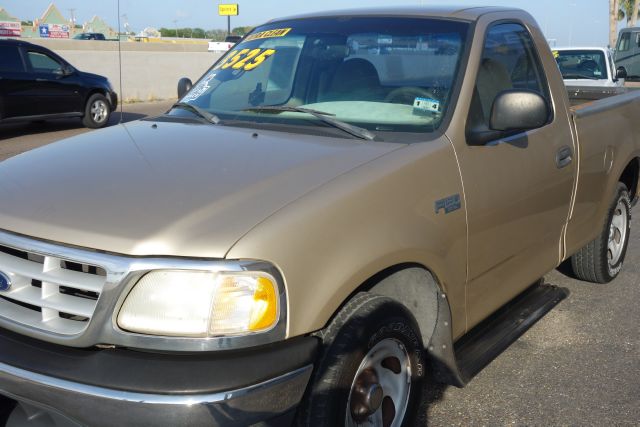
{"x":201,"y":304}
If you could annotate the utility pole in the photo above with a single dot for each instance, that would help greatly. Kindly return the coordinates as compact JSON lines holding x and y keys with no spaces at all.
{"x":175,"y":24}
{"x":73,"y":18}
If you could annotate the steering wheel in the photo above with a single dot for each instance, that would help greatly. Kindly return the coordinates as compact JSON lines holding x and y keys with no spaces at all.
{"x":407,"y":94}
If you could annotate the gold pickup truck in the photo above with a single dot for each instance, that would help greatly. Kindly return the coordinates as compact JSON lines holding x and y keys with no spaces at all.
{"x":344,"y":202}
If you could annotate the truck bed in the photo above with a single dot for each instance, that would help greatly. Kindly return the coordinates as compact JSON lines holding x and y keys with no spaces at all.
{"x":579,"y":95}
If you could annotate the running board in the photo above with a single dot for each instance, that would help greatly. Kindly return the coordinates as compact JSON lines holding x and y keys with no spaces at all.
{"x":486,"y":341}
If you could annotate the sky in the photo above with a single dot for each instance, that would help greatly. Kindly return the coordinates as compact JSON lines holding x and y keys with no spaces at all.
{"x":568,"y":22}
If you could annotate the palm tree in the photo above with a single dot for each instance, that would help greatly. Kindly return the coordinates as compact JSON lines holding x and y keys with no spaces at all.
{"x":628,"y":9}
{"x":613,"y":21}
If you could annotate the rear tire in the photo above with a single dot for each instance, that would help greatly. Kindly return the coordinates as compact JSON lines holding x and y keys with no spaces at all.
{"x":371,"y":368}
{"x":97,"y":111}
{"x":601,"y":260}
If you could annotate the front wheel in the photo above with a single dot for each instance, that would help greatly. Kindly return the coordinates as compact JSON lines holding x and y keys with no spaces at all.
{"x":601,"y":260}
{"x":97,"y":111}
{"x":371,"y":369}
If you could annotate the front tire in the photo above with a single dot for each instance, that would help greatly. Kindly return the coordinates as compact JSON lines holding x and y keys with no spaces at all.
{"x":601,"y":260}
{"x":97,"y":111}
{"x":370,"y":370}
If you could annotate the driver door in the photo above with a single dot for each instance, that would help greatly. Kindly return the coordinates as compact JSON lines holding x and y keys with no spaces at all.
{"x":517,"y":194}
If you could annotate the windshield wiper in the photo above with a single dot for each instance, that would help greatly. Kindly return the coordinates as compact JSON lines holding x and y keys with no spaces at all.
{"x":580,"y":76}
{"x":210,"y":117}
{"x":323,"y":116}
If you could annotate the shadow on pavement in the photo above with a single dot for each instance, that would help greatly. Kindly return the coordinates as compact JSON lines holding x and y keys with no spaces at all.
{"x":13,"y":130}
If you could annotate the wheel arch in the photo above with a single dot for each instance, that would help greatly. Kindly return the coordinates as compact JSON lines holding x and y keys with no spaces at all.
{"x":92,"y":92}
{"x":630,"y":176}
{"x":417,"y":288}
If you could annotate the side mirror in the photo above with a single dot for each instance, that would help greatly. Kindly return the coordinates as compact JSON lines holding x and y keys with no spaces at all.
{"x":63,"y":71}
{"x":518,"y":110}
{"x":184,"y":86}
{"x":512,"y":111}
{"x":621,"y":73}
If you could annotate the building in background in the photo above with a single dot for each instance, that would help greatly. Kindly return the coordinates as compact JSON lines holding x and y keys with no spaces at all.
{"x":99,"y":25}
{"x":9,"y":25}
{"x":53,"y":24}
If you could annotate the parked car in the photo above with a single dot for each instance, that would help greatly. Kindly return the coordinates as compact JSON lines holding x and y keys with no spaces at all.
{"x":628,"y":51}
{"x":224,"y":46}
{"x":38,"y":84}
{"x":343,"y":203}
{"x":89,"y":36}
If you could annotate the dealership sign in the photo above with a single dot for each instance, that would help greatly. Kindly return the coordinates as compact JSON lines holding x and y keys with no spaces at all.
{"x":10,"y":29}
{"x":54,"y":31}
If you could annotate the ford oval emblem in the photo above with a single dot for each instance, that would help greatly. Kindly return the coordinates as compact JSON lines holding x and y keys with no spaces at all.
{"x":5,"y":282}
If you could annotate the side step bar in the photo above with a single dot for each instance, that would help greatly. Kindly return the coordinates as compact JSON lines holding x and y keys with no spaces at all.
{"x":486,"y":341}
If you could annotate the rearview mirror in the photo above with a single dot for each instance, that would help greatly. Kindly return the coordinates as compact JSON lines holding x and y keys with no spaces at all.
{"x":621,"y":73}
{"x":518,"y":110}
{"x":184,"y":86}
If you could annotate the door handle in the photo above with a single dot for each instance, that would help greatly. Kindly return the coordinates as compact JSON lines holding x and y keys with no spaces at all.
{"x":564,"y":156}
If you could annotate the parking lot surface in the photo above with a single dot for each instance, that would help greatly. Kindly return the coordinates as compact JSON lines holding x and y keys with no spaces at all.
{"x":580,"y":365}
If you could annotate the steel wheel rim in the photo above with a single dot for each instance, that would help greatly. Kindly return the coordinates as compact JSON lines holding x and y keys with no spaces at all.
{"x":99,"y":111}
{"x":385,"y":358}
{"x":617,"y":233}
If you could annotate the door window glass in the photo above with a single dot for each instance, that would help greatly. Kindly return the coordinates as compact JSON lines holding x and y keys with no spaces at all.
{"x":509,"y":61}
{"x":623,"y":43}
{"x":42,"y":63}
{"x":11,"y":60}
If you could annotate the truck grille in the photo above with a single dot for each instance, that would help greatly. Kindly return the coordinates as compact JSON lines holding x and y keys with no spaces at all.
{"x":48,"y":293}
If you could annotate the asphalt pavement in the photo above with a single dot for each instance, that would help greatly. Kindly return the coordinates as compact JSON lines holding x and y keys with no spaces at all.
{"x":579,"y":365}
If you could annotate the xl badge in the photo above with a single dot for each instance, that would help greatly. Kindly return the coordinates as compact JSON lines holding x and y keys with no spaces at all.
{"x":5,"y":282}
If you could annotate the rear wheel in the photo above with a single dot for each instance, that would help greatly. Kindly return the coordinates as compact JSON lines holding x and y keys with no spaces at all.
{"x":601,"y":260}
{"x":97,"y":111}
{"x":371,"y":370}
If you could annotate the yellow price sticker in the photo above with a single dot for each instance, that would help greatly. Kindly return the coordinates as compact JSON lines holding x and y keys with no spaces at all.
{"x":245,"y":59}
{"x":556,"y":53}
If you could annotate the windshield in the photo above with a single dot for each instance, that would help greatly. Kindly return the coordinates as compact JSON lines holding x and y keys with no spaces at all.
{"x":581,"y":64}
{"x":381,"y":74}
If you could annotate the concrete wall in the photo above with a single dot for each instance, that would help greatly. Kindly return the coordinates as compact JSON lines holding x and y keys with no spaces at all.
{"x":150,"y":71}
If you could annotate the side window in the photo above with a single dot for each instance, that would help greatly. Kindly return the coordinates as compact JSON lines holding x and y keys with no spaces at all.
{"x":637,"y":39}
{"x":11,"y":60}
{"x":509,"y":61}
{"x":42,"y":63}
{"x":624,"y":42}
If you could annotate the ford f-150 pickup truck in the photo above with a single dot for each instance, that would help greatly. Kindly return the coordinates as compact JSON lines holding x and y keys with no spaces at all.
{"x":344,"y":202}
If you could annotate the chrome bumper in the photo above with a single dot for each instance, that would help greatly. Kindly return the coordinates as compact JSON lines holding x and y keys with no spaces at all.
{"x":97,"y":406}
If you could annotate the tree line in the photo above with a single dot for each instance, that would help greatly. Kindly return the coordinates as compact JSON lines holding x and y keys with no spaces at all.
{"x":200,"y":33}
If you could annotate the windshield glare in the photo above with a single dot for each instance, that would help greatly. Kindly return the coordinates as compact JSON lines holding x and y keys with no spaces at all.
{"x":382,"y":74}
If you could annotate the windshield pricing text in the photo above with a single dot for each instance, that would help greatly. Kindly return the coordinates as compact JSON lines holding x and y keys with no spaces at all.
{"x":246,"y":59}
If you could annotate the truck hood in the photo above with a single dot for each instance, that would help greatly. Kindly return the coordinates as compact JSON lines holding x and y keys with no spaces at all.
{"x":167,"y":188}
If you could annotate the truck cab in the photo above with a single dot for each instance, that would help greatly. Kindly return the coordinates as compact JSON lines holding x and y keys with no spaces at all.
{"x":628,"y":51}
{"x":588,"y":66}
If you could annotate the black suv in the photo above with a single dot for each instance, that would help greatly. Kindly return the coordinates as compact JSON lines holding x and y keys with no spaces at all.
{"x":37,"y":84}
{"x":89,"y":36}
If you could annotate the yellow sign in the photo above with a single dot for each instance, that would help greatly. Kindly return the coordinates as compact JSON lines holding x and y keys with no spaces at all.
{"x":227,"y":9}
{"x":280,"y":32}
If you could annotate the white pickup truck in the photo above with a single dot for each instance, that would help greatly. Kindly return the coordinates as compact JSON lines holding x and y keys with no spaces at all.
{"x":224,"y":46}
{"x":589,"y":73}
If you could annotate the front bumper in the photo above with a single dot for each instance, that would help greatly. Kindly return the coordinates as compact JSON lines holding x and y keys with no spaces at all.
{"x":141,"y":389}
